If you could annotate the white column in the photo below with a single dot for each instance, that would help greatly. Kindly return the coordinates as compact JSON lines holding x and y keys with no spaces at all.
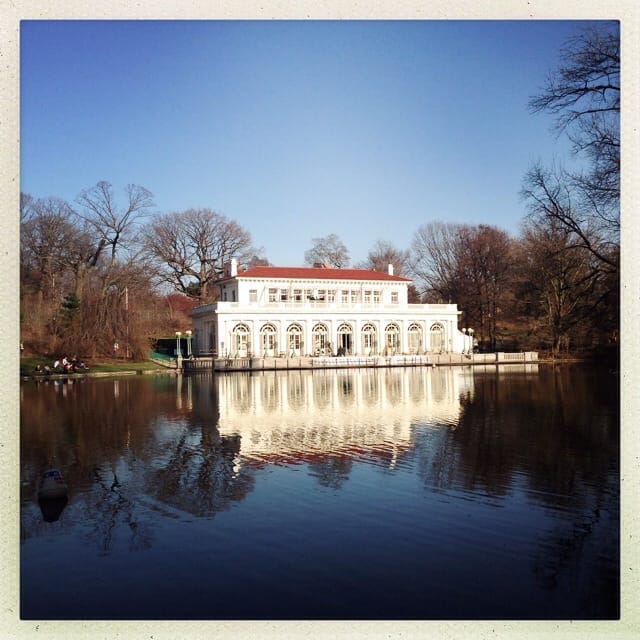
{"x":307,"y":346}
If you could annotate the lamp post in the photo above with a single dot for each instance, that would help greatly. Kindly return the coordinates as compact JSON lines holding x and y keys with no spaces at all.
{"x":178,"y":350}
{"x":470,"y":330}
{"x":188,"y":332}
{"x":464,"y":340}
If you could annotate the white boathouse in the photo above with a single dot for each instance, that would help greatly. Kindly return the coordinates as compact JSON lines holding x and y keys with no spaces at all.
{"x":268,"y":312}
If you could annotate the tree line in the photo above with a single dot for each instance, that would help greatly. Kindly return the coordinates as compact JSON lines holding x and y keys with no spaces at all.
{"x":104,"y":275}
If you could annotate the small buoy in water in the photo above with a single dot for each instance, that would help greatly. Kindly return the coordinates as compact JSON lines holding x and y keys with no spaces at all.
{"x":52,"y":485}
{"x":52,"y":508}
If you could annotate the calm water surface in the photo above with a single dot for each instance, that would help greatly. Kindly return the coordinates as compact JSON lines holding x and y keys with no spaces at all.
{"x":356,"y":494}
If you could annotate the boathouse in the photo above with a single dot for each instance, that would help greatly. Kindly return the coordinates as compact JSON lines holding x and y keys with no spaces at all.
{"x":268,"y":312}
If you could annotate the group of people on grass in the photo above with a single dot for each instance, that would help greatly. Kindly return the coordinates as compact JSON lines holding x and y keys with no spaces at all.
{"x":66,"y":365}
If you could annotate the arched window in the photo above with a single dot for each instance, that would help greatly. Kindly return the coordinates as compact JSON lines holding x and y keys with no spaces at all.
{"x":320,"y":338}
{"x":415,"y":339}
{"x":345,"y":339}
{"x":240,"y":345}
{"x":437,"y":338}
{"x":369,"y":340}
{"x":392,"y":339}
{"x":269,"y":340}
{"x":294,"y":340}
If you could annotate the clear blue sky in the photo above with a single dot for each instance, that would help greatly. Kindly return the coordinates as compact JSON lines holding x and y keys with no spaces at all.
{"x":294,"y":129}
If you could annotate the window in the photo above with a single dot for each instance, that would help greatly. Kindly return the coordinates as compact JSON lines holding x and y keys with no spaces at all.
{"x":273,"y":295}
{"x":367,"y":296}
{"x":394,"y":297}
{"x":331,"y":295}
{"x":437,"y":338}
{"x":376,"y":297}
{"x":345,"y":296}
{"x":392,"y":339}
{"x":369,"y":345}
{"x":294,"y":340}
{"x":297,"y":295}
{"x":253,"y":295}
{"x":268,"y":335}
{"x":354,"y":296}
{"x":319,"y":336}
{"x":415,"y":339}
{"x":240,"y":341}
{"x":284,"y":295}
{"x":345,"y":338}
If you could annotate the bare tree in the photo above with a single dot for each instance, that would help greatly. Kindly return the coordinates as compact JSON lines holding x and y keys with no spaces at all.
{"x":551,"y":195}
{"x":583,"y":207}
{"x":52,"y":247}
{"x":192,"y":247}
{"x":584,"y":94}
{"x":435,"y":256}
{"x":328,"y":250}
{"x":559,"y":285}
{"x":384,"y":254}
{"x":485,"y":265}
{"x":110,"y":223}
{"x":26,"y":206}
{"x":467,"y":265}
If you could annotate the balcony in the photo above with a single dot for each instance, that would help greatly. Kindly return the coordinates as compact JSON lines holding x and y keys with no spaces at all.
{"x":319,"y":305}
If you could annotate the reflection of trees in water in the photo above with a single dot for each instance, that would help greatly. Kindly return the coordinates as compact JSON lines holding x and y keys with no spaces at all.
{"x":88,"y":429}
{"x":332,"y":471}
{"x":200,"y":473}
{"x":102,"y":434}
{"x":561,"y":434}
{"x":577,"y":467}
{"x":78,"y":426}
{"x":554,"y":432}
{"x":111,"y":509}
{"x":591,"y":533}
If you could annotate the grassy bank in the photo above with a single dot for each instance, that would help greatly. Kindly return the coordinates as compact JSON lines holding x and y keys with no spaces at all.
{"x":28,"y":365}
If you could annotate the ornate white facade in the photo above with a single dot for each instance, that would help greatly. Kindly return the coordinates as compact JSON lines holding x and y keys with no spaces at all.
{"x":312,"y":311}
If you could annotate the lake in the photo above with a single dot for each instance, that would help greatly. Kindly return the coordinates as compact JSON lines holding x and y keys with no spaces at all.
{"x":409,"y":493}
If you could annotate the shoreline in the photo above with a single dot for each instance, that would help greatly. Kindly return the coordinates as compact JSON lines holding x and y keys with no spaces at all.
{"x":449,"y":361}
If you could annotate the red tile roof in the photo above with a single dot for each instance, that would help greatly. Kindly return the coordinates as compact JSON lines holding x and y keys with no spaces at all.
{"x":314,"y":273}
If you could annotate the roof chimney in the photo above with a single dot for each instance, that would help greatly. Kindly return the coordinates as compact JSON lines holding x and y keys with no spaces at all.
{"x":233,"y":272}
{"x":390,"y":269}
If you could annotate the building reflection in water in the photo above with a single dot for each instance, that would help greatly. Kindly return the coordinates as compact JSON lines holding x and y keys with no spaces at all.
{"x":297,"y":416}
